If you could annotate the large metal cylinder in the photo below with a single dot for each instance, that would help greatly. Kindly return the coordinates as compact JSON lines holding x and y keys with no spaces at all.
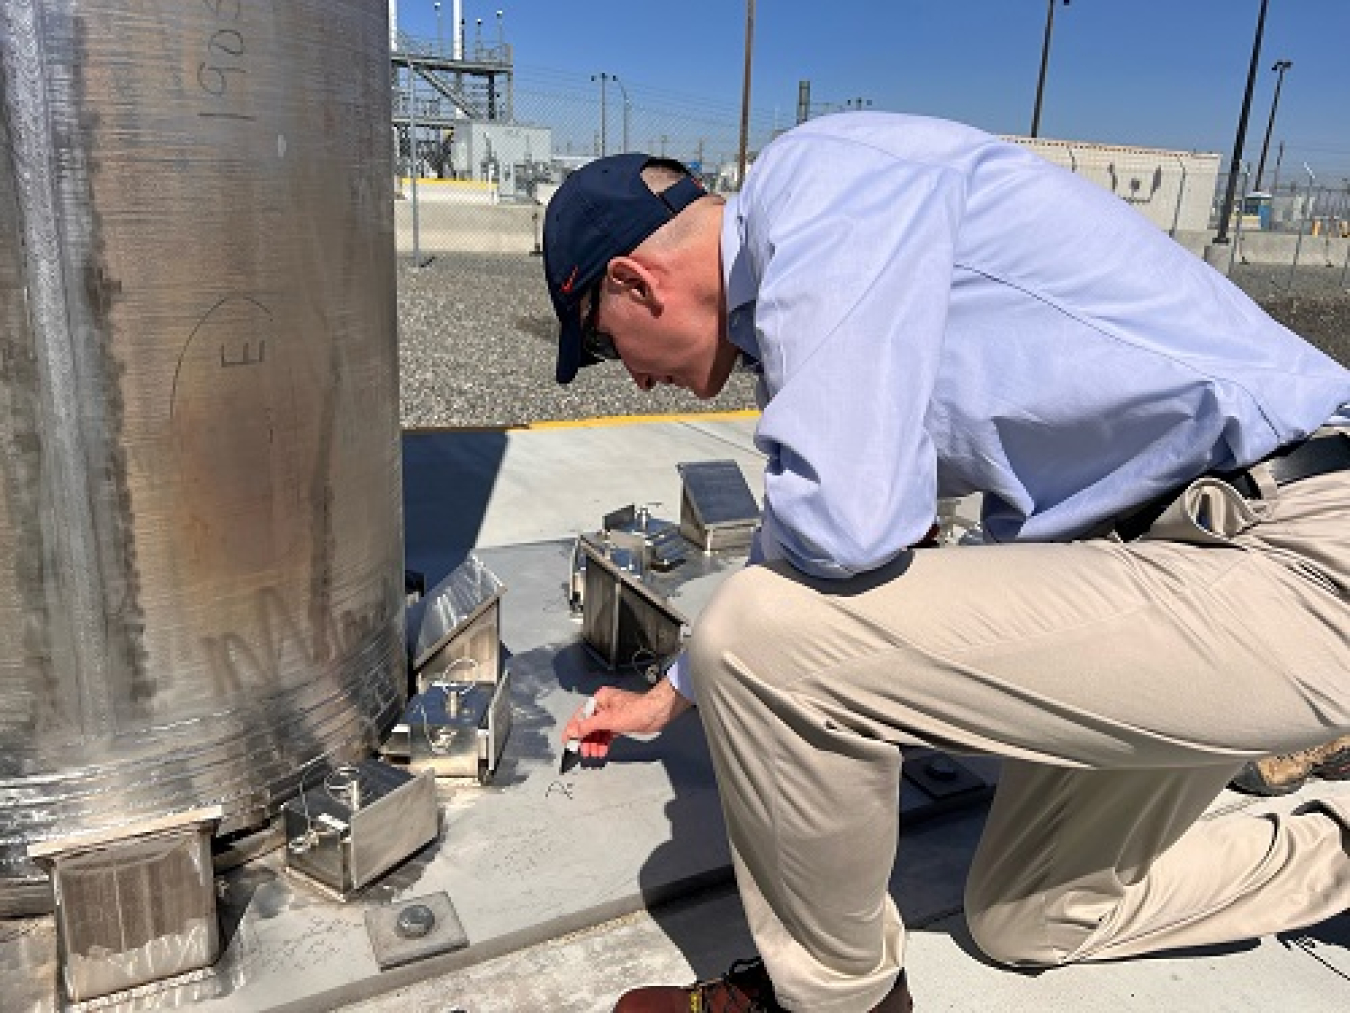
{"x":200,"y":532}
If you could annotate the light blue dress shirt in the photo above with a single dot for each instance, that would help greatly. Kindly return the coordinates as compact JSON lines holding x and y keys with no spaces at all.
{"x":938,"y":312}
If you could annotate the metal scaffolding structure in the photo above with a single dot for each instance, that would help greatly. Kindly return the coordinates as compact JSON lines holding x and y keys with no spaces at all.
{"x":435,"y":91}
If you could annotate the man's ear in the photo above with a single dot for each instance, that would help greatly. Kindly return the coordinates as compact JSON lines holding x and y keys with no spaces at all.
{"x":637,"y":282}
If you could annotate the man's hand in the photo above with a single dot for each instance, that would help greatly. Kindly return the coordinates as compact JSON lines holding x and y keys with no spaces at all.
{"x":618,"y":712}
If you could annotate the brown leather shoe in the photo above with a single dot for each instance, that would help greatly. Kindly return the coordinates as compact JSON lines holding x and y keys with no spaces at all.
{"x":1288,"y":772}
{"x":745,"y":988}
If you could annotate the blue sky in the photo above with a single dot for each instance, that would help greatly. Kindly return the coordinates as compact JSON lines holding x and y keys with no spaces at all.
{"x":1159,"y":73}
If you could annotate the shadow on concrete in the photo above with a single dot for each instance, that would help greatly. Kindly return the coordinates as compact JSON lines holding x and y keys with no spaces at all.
{"x":692,"y":867}
{"x":927,"y":881}
{"x":1332,"y":934}
{"x":448,"y":478}
{"x":533,"y":728}
{"x":678,"y":899}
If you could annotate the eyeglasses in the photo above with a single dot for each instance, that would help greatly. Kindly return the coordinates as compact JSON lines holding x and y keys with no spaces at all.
{"x":595,"y":342}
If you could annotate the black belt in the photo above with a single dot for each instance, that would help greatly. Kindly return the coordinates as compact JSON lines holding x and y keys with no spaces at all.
{"x":1320,"y":455}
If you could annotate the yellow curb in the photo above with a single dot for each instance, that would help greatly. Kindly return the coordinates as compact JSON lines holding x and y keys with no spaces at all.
{"x":629,"y":420}
{"x":588,"y":423}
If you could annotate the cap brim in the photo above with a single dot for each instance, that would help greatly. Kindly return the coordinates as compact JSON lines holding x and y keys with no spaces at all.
{"x":571,"y":356}
{"x":569,"y":349}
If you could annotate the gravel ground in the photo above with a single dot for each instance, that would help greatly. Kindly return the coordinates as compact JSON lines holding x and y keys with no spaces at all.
{"x":476,"y":340}
{"x":476,"y":337}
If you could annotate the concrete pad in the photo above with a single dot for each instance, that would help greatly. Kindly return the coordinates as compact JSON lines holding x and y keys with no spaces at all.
{"x":536,"y":854}
{"x":517,"y":486}
{"x":532,"y":856}
{"x":549,"y":874}
{"x":682,"y":942}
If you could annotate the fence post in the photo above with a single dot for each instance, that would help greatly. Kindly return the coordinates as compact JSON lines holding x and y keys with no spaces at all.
{"x":413,"y":171}
{"x":1236,"y":245}
{"x":1298,"y":245}
{"x":1326,"y":238}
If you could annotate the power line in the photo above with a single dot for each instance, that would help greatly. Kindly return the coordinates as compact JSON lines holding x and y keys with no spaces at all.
{"x":658,"y":92}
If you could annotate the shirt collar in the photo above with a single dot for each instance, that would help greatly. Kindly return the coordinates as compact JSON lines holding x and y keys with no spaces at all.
{"x":739,"y":282}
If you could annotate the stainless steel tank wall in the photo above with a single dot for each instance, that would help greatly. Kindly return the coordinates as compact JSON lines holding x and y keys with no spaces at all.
{"x":200,"y":530}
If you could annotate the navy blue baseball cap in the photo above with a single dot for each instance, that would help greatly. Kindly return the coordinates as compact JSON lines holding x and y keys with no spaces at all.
{"x":602,"y":211}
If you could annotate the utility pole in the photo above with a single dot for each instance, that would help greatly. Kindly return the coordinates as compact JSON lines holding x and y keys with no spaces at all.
{"x":745,"y":92}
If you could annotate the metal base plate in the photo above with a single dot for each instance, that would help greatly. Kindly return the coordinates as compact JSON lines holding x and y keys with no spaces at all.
{"x":935,"y":782}
{"x":414,"y":929}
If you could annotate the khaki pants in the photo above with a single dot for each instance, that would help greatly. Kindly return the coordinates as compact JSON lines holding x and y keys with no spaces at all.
{"x":1125,"y":683}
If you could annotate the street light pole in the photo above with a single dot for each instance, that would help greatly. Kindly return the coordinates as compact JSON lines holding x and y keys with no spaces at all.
{"x":1226,"y":212}
{"x":437,"y":7}
{"x":1045,"y":62}
{"x":626,"y":106}
{"x":1280,"y":67}
{"x":604,"y":141}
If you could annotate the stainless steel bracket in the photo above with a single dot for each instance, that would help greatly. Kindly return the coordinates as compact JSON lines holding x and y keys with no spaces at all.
{"x":358,"y":823}
{"x":717,"y":508}
{"x":134,"y":905}
{"x":625,"y":622}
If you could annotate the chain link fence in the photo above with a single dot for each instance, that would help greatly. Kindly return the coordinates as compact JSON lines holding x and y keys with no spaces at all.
{"x":482,"y":147}
{"x":1292,"y":238}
